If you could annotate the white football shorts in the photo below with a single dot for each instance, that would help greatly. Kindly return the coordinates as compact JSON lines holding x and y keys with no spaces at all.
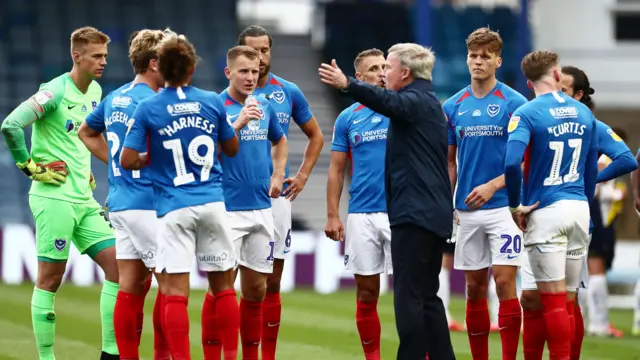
{"x":485,"y":238}
{"x":281,"y":209}
{"x":136,"y":235}
{"x":252,"y":236}
{"x":368,"y":244}
{"x":201,"y":231}
{"x":557,"y":242}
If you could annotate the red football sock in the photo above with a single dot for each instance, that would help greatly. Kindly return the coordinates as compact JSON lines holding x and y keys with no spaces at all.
{"x":177,"y":325}
{"x":211,"y":343}
{"x":271,"y":313}
{"x":228,"y":320}
{"x":535,"y":334}
{"x":478,"y":327}
{"x":160,"y":344}
{"x":557,"y":323}
{"x":509,"y":321}
{"x":576,"y":344}
{"x":250,"y":328}
{"x":125,"y":323}
{"x":572,"y":320}
{"x":140,"y":315}
{"x":368,"y":324}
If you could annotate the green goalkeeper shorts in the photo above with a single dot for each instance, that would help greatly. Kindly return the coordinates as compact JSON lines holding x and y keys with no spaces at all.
{"x":60,"y":222}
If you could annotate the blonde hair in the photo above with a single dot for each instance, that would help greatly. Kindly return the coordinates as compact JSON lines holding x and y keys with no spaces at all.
{"x":241,"y":50}
{"x":417,"y":58}
{"x":364,"y":54}
{"x":144,"y":48}
{"x":82,"y":37}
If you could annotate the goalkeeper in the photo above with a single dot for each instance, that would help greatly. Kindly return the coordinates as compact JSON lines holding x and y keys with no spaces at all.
{"x":61,"y":198}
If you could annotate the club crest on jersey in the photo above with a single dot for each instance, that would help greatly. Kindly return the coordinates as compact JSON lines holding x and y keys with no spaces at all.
{"x":513,"y":123}
{"x":94,"y":105}
{"x":60,"y":244}
{"x":493,"y":109}
{"x":278,"y":96}
{"x":355,"y":138}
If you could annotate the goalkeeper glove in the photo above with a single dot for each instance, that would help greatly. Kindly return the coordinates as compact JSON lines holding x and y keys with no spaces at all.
{"x":54,"y":173}
{"x":92,"y":182}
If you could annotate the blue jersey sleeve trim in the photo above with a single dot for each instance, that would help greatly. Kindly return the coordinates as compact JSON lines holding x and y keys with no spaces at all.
{"x":513,"y":171}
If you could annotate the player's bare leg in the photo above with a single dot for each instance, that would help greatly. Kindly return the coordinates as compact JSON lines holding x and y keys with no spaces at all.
{"x":635,"y":329}
{"x":43,"y":315}
{"x":106,"y":259}
{"x":254,"y":288}
{"x":222,"y":296}
{"x":535,"y":332}
{"x":367,"y":320}
{"x":135,"y":281}
{"x":176,"y":290}
{"x":272,"y":311}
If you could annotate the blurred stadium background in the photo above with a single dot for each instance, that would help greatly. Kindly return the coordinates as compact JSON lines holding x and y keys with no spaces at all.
{"x":600,"y":36}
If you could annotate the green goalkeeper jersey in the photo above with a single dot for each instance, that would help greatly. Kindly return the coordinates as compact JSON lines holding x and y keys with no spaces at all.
{"x":61,"y":108}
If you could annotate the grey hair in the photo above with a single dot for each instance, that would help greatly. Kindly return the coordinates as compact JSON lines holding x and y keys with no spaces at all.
{"x":417,"y":58}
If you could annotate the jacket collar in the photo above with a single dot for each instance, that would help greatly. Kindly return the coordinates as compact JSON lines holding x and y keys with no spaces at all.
{"x":418,"y":84}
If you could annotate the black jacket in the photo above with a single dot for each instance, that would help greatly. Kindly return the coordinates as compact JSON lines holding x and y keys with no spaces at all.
{"x":417,"y":184}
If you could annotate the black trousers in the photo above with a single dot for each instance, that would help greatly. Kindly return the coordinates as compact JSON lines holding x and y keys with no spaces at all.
{"x":420,"y":317}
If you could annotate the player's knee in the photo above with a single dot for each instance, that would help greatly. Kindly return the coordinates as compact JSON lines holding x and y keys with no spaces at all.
{"x":505,"y":285}
{"x":367,"y":295}
{"x":50,"y":283}
{"x":530,"y":300}
{"x":273,"y":284}
{"x":477,"y":286}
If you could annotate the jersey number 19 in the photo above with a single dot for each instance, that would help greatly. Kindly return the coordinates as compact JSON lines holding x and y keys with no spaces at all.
{"x":184,"y":177}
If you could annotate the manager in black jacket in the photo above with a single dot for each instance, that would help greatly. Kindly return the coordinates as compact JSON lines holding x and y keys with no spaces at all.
{"x":418,"y":191}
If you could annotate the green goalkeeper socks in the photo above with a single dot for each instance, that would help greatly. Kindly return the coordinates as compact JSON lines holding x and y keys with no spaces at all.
{"x":44,"y":322}
{"x":107,"y":304}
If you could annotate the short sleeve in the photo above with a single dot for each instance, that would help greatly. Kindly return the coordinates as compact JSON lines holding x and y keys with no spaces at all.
{"x":519,"y":128}
{"x":515,"y":102}
{"x":95,"y":120}
{"x":340,"y":140}
{"x":136,"y":137}
{"x":225,"y":129}
{"x":300,"y":111}
{"x":275,"y":131}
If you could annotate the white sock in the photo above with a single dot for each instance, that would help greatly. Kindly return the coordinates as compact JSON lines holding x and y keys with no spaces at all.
{"x":597,"y":299}
{"x":636,"y":313}
{"x":494,"y":303}
{"x":444,"y":292}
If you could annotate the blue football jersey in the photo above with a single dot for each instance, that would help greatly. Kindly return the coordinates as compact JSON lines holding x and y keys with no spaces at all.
{"x":184,"y":126}
{"x":610,"y":143}
{"x":559,"y":132}
{"x":478,"y":127}
{"x":247,"y":176}
{"x":363,"y":134}
{"x":128,"y":190}
{"x":288,"y":102}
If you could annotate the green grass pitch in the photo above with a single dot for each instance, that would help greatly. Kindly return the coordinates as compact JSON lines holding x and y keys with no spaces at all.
{"x":313,"y":327}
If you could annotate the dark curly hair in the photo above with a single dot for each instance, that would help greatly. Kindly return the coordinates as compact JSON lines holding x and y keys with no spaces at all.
{"x":581,"y":82}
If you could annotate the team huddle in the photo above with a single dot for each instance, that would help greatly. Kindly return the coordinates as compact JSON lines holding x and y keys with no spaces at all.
{"x":200,"y":176}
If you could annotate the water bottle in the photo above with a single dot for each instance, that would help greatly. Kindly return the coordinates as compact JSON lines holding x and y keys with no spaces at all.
{"x":254,"y":124}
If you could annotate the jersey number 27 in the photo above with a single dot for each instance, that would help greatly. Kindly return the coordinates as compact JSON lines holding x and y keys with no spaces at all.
{"x":184,"y":177}
{"x":554,"y":177}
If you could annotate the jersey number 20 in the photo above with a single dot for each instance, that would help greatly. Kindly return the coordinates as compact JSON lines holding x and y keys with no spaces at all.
{"x":115,"y":146}
{"x":554,"y":177}
{"x":182,"y":176}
